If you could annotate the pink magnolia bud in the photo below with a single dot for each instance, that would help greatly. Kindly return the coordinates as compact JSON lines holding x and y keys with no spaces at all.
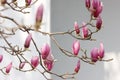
{"x":84,"y":30}
{"x":94,"y":54}
{"x":77,"y":68}
{"x":8,"y":68}
{"x":21,"y":65}
{"x":98,"y":7}
{"x":39,"y":16}
{"x":101,"y":50}
{"x":45,"y":50}
{"x":1,"y":58}
{"x":28,"y":2}
{"x":87,"y":3}
{"x":35,"y":61}
{"x":76,"y":26}
{"x":95,"y":4}
{"x":76,"y":47}
{"x":99,"y":23}
{"x":48,"y":62}
{"x":27,"y":41}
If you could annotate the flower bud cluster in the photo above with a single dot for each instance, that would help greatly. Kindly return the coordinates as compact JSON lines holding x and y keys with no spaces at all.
{"x":47,"y":56}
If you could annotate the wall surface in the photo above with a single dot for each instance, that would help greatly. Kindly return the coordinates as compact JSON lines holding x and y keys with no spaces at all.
{"x":63,"y":15}
{"x":19,"y":39}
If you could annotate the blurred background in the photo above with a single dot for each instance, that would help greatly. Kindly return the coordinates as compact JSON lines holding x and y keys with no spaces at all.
{"x":60,"y":15}
{"x":63,"y":15}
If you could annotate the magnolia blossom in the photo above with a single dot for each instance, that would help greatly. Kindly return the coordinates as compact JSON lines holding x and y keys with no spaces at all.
{"x":87,"y":3}
{"x":97,"y":53}
{"x":49,"y":61}
{"x":8,"y":67}
{"x":21,"y":65}
{"x":99,"y":23}
{"x":45,"y":50}
{"x":28,"y":2}
{"x":35,"y":61}
{"x":84,"y":30}
{"x":76,"y":47}
{"x":94,"y":54}
{"x":27,"y":41}
{"x":1,"y":58}
{"x":77,"y":68}
{"x":97,"y":7}
{"x":101,"y":51}
{"x":39,"y":16}
{"x":76,"y":26}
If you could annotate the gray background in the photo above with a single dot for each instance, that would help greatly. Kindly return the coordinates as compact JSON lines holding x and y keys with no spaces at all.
{"x":63,"y":15}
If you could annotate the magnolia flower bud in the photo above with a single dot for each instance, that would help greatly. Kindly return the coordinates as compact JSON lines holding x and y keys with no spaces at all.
{"x":48,"y":62}
{"x":77,"y":68}
{"x":76,"y":47}
{"x":28,"y":2}
{"x":21,"y":65}
{"x":101,"y":51}
{"x":87,"y":3}
{"x":95,"y":4}
{"x":94,"y":54}
{"x":27,"y":41}
{"x":35,"y":61}
{"x":99,"y":23}
{"x":1,"y":58}
{"x":97,"y":7}
{"x":8,"y":68}
{"x":76,"y":26}
{"x":84,"y":30}
{"x":45,"y":50}
{"x":39,"y":16}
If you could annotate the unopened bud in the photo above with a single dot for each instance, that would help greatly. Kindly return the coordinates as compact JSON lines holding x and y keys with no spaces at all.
{"x":84,"y":30}
{"x":94,"y":54}
{"x":87,"y":3}
{"x":76,"y":26}
{"x":76,"y":47}
{"x":35,"y":61}
{"x":99,"y":23}
{"x":1,"y":58}
{"x":27,"y":41}
{"x":77,"y":68}
{"x":21,"y":65}
{"x":45,"y":50}
{"x":39,"y":16}
{"x":101,"y":50}
{"x":8,"y":68}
